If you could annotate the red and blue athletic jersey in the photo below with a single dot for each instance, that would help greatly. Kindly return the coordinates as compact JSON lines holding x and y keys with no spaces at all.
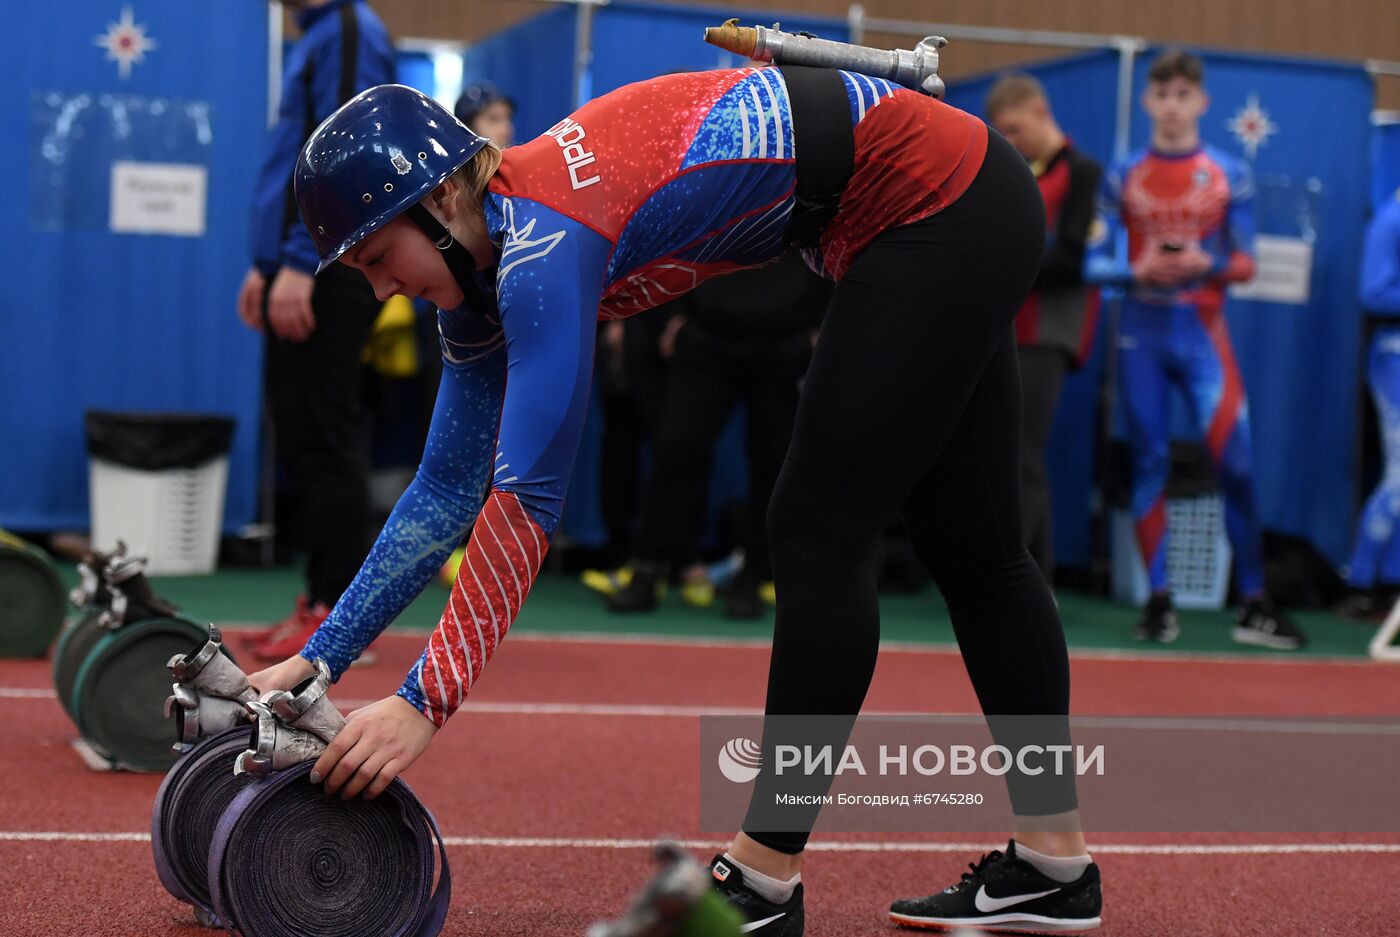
{"x":633,"y":200}
{"x":1177,"y":338}
{"x":1203,"y":198}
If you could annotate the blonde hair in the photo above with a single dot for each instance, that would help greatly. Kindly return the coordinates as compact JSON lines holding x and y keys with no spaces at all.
{"x":474,"y":175}
{"x":1013,"y":91}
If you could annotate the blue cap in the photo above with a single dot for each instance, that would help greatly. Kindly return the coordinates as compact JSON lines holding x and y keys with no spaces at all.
{"x":385,"y":149}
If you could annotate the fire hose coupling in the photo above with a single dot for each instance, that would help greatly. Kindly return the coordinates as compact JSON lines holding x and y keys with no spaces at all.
{"x":198,"y":715}
{"x":275,"y":745}
{"x":89,"y":585}
{"x":119,"y":568}
{"x":292,"y":727}
{"x":307,"y":707}
{"x":210,"y":672}
{"x":915,"y":68}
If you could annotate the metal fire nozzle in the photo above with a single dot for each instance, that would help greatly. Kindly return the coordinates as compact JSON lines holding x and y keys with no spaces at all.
{"x":915,"y":68}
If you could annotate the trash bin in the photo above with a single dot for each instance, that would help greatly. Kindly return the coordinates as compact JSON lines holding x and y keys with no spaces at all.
{"x":157,"y":482}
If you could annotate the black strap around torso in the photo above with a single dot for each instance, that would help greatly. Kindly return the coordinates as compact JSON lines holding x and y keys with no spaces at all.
{"x":824,"y":144}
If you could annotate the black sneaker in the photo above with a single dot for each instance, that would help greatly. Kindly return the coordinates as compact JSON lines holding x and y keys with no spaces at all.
{"x":1364,"y":605}
{"x":641,"y":594}
{"x":1260,"y":623}
{"x":1158,"y":620}
{"x":762,"y":918}
{"x":1005,"y":894}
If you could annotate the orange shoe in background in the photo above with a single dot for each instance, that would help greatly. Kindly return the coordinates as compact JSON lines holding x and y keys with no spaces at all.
{"x":291,"y":634}
{"x":292,"y":623}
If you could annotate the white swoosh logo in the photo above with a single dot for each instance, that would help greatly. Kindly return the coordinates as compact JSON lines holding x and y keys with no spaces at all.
{"x":755,"y":925}
{"x":987,"y":904}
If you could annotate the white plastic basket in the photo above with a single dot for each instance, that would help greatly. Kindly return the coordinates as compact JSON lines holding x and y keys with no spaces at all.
{"x":1198,"y":555}
{"x":172,"y":516}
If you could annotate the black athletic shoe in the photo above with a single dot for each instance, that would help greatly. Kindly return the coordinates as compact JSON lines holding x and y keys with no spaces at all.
{"x":1158,"y":620}
{"x":1260,"y":623}
{"x":1366,"y":605}
{"x":762,"y":918}
{"x":1005,"y":894}
{"x":641,"y":594}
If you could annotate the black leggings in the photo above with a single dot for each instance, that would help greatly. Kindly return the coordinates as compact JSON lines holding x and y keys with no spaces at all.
{"x":912,"y":408}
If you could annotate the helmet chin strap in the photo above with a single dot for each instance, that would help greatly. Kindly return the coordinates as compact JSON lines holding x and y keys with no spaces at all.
{"x":459,"y":260}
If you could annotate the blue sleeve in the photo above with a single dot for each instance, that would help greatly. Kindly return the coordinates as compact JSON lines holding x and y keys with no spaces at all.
{"x":374,"y":65}
{"x":549,"y":284}
{"x":1106,"y":259}
{"x":1380,"y":263}
{"x":1239,"y":229}
{"x":438,"y":508}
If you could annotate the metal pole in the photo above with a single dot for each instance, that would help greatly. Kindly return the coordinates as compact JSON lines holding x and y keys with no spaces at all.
{"x":430,"y":46}
{"x":1034,"y":37}
{"x":855,"y":22}
{"x":583,"y":53}
{"x":274,"y":61}
{"x":1128,"y":49}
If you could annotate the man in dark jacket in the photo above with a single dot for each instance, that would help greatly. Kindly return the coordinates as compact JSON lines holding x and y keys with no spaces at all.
{"x":316,"y":325}
{"x":1053,"y":329}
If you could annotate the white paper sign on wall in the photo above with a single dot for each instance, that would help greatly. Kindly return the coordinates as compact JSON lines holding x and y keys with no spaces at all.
{"x":1283,"y":271}
{"x":159,"y":198}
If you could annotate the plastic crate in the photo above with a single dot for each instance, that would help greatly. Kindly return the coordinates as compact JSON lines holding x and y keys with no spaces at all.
{"x":1198,"y":555}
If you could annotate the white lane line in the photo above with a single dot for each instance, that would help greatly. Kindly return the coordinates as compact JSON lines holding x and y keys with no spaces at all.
{"x":517,"y":842}
{"x":523,"y":633}
{"x":642,"y":710}
{"x":949,"y":648}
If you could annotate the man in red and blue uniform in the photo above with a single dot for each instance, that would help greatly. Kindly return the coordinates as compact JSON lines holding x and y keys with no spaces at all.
{"x":1176,"y":226}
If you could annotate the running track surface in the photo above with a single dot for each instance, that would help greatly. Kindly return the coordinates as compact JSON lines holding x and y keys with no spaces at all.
{"x":548,"y":824}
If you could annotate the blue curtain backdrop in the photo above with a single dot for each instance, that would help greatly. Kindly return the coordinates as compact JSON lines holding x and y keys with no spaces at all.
{"x":1298,"y":360}
{"x":633,"y":41}
{"x":90,"y":318}
{"x":1385,"y":179}
{"x":533,"y":63}
{"x":415,"y":69}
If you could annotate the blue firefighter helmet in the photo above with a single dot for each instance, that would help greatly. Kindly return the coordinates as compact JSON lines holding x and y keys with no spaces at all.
{"x":382,"y":152}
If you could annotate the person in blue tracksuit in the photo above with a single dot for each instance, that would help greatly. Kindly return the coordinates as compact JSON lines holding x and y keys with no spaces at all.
{"x":1380,"y":297}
